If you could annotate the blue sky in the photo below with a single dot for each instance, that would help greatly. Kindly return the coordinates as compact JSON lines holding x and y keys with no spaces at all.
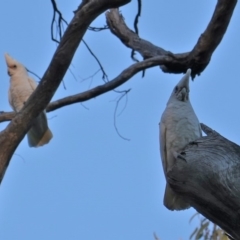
{"x":88,"y":183}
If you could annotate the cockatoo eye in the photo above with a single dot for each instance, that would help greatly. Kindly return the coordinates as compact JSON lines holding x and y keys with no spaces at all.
{"x":14,"y":66}
{"x":176,"y":89}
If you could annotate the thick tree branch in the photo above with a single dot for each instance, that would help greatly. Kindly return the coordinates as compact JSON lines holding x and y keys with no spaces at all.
{"x":6,"y":116}
{"x":101,"y":89}
{"x":197,"y":59}
{"x":129,"y":38}
{"x":209,"y":178}
{"x":18,"y":127}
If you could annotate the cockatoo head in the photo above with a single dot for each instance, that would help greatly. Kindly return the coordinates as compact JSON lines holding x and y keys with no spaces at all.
{"x":14,"y":67}
{"x":181,"y":90}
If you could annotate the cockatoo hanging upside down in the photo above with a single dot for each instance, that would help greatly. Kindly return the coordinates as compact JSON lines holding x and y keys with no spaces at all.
{"x":21,"y":87}
{"x":179,"y":126}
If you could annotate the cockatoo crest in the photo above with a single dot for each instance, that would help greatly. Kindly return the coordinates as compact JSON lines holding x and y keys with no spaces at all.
{"x":14,"y":67}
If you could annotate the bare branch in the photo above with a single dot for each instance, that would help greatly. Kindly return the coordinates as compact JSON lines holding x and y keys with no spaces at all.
{"x":115,"y":114}
{"x":137,"y":32}
{"x":98,"y":29}
{"x":12,"y":135}
{"x":137,"y":16}
{"x":118,"y":27}
{"x":99,"y":63}
{"x":58,"y":21}
{"x":136,"y":26}
{"x":6,"y":116}
{"x":197,"y":59}
{"x":123,"y":77}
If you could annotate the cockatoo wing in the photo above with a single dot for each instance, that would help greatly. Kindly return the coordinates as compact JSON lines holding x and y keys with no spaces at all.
{"x":32,"y":83}
{"x":171,"y":200}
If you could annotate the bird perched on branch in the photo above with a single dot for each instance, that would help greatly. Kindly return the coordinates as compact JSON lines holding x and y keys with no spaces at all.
{"x":21,"y":87}
{"x":179,"y":126}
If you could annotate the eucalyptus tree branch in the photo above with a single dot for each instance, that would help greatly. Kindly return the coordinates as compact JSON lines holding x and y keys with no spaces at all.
{"x":123,"y":77}
{"x":197,"y":59}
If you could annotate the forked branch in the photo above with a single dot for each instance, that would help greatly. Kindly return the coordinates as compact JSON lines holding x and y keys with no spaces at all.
{"x":197,"y":59}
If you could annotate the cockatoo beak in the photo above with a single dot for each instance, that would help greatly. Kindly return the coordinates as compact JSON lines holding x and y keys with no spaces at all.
{"x":184,"y":82}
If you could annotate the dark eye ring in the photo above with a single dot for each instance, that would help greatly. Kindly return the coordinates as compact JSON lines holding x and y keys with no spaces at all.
{"x":176,"y":88}
{"x":14,"y":66}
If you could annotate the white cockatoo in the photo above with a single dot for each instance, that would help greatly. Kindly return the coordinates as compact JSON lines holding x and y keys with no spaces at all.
{"x":21,"y":87}
{"x":179,"y":126}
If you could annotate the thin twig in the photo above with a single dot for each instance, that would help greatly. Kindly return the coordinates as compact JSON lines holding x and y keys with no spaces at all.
{"x":59,"y":21}
{"x":99,"y":63}
{"x":136,"y":26}
{"x":34,"y":74}
{"x":60,"y":30}
{"x":115,"y":114}
{"x":133,"y":53}
{"x":98,"y":29}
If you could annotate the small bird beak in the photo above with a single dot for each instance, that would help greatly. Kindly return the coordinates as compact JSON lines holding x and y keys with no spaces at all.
{"x":184,"y":82}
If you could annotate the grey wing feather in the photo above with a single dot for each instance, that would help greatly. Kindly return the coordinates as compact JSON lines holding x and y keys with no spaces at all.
{"x":171,"y":200}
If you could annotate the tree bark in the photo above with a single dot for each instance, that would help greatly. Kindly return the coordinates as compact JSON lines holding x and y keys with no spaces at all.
{"x":197,"y":59}
{"x":207,"y":174}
